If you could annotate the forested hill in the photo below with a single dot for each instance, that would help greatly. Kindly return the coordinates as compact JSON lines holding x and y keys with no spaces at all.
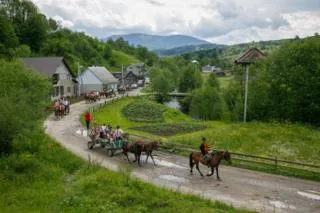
{"x":25,"y":32}
{"x":224,"y":56}
{"x":153,"y":42}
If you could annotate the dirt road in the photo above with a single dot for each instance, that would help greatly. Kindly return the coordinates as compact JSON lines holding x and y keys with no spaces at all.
{"x":239,"y":187}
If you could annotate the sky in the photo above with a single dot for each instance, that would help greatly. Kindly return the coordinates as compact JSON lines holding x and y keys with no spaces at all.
{"x":217,"y":21}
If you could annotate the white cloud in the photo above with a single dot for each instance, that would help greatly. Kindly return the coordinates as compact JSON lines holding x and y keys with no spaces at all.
{"x":224,"y":21}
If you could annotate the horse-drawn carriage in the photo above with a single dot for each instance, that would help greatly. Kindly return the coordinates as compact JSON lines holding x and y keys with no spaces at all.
{"x":124,"y":145}
{"x":108,"y":143}
{"x":110,"y":146}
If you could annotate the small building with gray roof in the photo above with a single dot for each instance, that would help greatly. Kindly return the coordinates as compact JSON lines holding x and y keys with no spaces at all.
{"x":97,"y":78}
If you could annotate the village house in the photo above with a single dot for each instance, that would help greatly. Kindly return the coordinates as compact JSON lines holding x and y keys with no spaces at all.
{"x":58,"y":71}
{"x":208,"y":69}
{"x":131,"y":75}
{"x":95,"y":79}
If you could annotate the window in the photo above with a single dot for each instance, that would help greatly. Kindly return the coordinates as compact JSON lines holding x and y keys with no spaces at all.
{"x":61,"y":91}
{"x":69,"y":89}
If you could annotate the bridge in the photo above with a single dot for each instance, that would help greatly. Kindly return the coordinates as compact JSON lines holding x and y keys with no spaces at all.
{"x":174,"y":94}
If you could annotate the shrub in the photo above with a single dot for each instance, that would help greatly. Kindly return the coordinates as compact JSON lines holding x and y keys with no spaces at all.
{"x":144,"y":111}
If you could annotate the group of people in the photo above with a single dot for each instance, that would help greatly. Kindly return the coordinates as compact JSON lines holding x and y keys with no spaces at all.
{"x":105,"y":131}
{"x":61,"y":103}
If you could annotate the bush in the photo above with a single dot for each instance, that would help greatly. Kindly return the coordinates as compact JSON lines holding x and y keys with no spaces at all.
{"x":144,"y":111}
{"x":24,"y":95}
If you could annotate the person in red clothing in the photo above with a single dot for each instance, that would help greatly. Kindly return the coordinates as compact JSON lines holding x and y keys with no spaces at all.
{"x":204,"y":148}
{"x":87,"y":118}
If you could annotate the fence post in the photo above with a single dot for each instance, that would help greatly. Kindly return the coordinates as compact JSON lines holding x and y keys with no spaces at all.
{"x":276,"y":163}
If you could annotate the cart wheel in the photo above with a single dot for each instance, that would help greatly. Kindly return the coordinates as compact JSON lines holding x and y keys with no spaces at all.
{"x":90,"y":144}
{"x":110,"y":152}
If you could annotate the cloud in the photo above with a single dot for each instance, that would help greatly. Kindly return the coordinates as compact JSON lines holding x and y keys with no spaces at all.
{"x":214,"y":20}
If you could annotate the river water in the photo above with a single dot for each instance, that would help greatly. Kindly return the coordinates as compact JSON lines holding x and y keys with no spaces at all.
{"x":173,"y":103}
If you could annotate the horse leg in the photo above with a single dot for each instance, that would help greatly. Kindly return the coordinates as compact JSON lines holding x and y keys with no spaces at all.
{"x":138,"y":156}
{"x":147,"y":157}
{"x":212,"y":171}
{"x":152,"y":159}
{"x":197,"y":166}
{"x":218,"y":174}
{"x":126,"y":154}
{"x":135,"y":158}
{"x":191,"y":163}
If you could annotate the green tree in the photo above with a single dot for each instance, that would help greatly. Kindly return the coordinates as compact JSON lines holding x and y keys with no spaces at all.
{"x":290,"y":80}
{"x":8,"y":37}
{"x":191,"y":78}
{"x":107,"y":51}
{"x":161,"y":83}
{"x":34,"y":31}
{"x":213,"y":81}
{"x":24,"y":95}
{"x":206,"y":104}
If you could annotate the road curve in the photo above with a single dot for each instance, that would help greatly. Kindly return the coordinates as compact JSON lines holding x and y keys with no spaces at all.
{"x":240,"y":187}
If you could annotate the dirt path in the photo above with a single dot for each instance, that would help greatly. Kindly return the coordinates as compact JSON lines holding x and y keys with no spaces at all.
{"x":240,"y":188}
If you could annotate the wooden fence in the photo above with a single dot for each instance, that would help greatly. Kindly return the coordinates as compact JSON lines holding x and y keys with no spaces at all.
{"x":245,"y":158}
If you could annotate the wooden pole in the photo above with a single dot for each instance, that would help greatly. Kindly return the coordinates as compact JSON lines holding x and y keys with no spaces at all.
{"x":246,"y":94}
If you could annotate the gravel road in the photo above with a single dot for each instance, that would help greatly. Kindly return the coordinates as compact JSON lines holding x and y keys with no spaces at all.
{"x":239,"y":187}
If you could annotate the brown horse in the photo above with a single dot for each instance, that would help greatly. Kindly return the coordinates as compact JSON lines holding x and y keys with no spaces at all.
{"x":148,"y":148}
{"x":59,"y":111}
{"x":213,"y":162}
{"x":134,"y":148}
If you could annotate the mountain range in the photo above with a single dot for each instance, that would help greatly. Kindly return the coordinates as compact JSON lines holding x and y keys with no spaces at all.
{"x":156,"y":42}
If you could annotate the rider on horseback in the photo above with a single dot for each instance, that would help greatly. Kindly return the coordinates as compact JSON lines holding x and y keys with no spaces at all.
{"x":204,"y":148}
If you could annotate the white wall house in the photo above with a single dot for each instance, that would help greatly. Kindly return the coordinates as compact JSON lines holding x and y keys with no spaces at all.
{"x":209,"y":69}
{"x":96,"y":79}
{"x":58,"y":71}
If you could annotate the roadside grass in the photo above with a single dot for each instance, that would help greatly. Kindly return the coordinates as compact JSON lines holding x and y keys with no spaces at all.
{"x":51,"y":179}
{"x":285,"y":141}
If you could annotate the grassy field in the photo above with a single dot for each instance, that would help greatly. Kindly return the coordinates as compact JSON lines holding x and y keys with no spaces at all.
{"x":50,"y":179}
{"x":224,"y":81}
{"x":286,"y":141}
{"x":122,"y":59}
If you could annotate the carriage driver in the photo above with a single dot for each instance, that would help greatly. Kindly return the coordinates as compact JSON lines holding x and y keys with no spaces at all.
{"x":204,"y":148}
{"x":118,"y":133}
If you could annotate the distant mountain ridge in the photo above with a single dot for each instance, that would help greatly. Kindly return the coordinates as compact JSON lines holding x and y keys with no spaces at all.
{"x":153,"y":42}
{"x":187,"y":49}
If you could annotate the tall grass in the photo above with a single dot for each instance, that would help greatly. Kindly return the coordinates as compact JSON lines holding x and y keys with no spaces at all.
{"x":53,"y":180}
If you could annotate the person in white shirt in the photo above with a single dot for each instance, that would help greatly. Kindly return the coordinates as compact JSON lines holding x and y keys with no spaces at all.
{"x":118,"y":133}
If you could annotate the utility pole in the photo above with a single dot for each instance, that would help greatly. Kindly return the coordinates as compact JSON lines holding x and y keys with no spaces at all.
{"x":78,"y":78}
{"x":246,"y":67}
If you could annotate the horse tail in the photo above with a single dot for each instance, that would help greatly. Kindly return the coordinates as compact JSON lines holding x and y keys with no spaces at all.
{"x":190,"y":158}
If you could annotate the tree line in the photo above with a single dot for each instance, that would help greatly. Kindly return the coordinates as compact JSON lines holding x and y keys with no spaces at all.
{"x":26,"y":32}
{"x":283,"y":87}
